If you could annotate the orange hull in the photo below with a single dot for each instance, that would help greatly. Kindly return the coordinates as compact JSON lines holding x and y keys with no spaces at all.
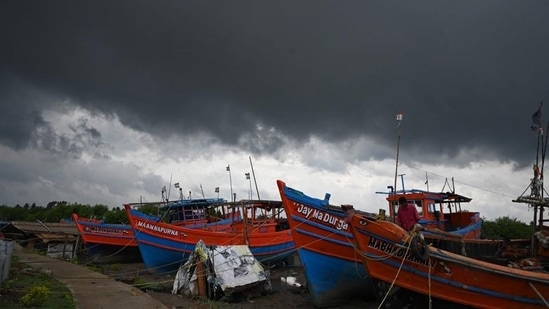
{"x":165,"y":246}
{"x":387,"y":255}
{"x":95,"y":232}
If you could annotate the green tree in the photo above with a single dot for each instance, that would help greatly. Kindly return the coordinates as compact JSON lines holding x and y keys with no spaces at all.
{"x":505,"y":228}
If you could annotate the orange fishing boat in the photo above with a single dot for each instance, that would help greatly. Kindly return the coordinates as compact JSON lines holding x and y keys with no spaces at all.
{"x":109,"y":241}
{"x":260,"y":224}
{"x":106,"y":242}
{"x":439,"y":210}
{"x":444,"y":221}
{"x":392,"y":255}
{"x":446,"y":224}
{"x":406,"y":259}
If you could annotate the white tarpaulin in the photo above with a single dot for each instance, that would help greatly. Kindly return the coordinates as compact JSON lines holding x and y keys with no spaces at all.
{"x":224,"y":267}
{"x":236,"y":266}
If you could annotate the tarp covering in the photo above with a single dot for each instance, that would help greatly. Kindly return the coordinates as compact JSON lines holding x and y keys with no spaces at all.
{"x":224,"y":267}
{"x":236,"y":266}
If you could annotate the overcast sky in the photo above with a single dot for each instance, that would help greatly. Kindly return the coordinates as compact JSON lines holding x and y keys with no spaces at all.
{"x":106,"y":102}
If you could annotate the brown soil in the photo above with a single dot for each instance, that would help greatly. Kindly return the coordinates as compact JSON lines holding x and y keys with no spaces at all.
{"x":282,"y":295}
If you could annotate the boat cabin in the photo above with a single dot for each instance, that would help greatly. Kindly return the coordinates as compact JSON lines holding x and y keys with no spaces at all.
{"x":189,"y":212}
{"x":440,"y":210}
{"x":264,"y":215}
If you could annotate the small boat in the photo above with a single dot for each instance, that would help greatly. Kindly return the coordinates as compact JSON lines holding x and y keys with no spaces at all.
{"x":107,"y":242}
{"x":333,"y":269}
{"x":260,"y":224}
{"x":392,"y":255}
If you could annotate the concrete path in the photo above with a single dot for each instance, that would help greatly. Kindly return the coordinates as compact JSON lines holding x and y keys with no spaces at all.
{"x":91,"y":289}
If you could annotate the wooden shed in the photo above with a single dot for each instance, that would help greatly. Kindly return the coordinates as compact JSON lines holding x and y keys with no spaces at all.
{"x":55,"y":239}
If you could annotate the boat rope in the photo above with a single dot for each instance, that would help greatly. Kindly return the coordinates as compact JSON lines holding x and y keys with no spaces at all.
{"x":396,"y":276}
{"x":357,"y":263}
{"x":429,"y":281}
{"x":539,"y":294}
{"x":408,"y":240}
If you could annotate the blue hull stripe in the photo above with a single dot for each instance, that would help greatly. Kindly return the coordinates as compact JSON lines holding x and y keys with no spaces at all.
{"x":397,"y":264}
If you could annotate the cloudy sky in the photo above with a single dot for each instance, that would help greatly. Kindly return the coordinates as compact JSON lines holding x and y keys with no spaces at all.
{"x":106,"y":102}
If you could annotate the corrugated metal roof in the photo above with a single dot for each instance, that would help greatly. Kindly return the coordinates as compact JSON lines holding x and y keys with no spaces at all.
{"x":48,"y":228}
{"x":47,"y":237}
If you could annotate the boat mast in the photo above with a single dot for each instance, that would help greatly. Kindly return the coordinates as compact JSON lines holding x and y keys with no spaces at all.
{"x":399,"y":119}
{"x":232,"y":198}
{"x":536,"y":197}
{"x":255,"y":181}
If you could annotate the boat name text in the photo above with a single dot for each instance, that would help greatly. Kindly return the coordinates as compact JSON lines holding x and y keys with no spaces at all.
{"x":105,"y":230}
{"x":322,"y":216}
{"x":394,"y":251}
{"x":156,"y":228}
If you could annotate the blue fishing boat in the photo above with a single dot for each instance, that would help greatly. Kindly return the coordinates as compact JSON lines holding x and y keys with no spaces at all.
{"x":260,"y":224}
{"x":333,"y":269}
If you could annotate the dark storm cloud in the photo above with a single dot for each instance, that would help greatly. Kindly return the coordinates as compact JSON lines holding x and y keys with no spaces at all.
{"x":467,"y":74}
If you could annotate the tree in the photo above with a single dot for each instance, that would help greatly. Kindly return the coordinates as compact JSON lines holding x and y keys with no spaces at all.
{"x":505,"y":228}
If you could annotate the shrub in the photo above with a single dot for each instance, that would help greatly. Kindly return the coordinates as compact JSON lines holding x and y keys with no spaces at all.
{"x":36,"y":295}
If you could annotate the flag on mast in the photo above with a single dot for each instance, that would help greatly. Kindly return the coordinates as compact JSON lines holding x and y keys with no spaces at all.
{"x":228,"y":168}
{"x":399,"y":116}
{"x":536,"y":118}
{"x":247,"y":175}
{"x":216,"y":189}
{"x":176,"y":185}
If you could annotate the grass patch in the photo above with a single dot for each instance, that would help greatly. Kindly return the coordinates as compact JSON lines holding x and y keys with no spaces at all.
{"x":30,"y":287}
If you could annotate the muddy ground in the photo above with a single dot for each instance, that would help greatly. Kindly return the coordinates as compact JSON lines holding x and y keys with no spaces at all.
{"x":281,"y":296}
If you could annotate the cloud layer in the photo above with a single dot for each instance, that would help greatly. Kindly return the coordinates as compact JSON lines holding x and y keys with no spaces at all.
{"x":309,"y":85}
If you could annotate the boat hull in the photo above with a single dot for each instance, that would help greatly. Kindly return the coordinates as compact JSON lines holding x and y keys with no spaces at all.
{"x":164,"y":247}
{"x":106,"y":242}
{"x":387,"y":255}
{"x":333,"y":269}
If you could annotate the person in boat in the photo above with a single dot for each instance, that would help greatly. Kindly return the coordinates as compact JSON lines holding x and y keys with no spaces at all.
{"x":407,"y":215}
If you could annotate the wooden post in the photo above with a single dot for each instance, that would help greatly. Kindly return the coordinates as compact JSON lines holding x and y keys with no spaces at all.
{"x":200,"y":279}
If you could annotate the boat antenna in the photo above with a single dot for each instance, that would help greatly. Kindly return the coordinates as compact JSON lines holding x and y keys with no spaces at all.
{"x":164,"y":195}
{"x":427,"y":180}
{"x":202,"y":190}
{"x":250,"y":181}
{"x":399,"y":116}
{"x":169,"y":188}
{"x":231,"y":182}
{"x":255,"y":180}
{"x":177,"y":186}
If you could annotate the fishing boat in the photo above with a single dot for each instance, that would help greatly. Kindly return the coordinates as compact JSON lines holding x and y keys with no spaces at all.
{"x":107,"y":242}
{"x":443,"y":218}
{"x":446,"y":223}
{"x":333,"y":269}
{"x":394,"y":256}
{"x":406,"y":259}
{"x":260,"y":224}
{"x":440,"y":210}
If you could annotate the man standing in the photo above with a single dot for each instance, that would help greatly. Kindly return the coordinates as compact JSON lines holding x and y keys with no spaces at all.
{"x":407,"y":215}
